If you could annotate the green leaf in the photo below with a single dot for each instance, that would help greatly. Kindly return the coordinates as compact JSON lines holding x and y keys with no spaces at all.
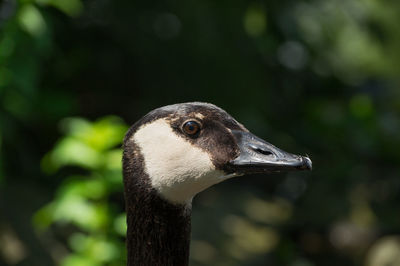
{"x":32,"y":21}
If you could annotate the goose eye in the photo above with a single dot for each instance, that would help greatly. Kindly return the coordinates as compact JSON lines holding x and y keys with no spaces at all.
{"x":191,"y":128}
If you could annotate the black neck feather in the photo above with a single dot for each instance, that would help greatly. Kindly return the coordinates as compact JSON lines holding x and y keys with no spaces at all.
{"x":158,"y":231}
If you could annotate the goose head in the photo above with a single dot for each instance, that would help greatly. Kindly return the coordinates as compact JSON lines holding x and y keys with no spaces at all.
{"x":182,"y":149}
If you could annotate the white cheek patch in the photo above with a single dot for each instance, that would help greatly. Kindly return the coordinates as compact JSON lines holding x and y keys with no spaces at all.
{"x":177,"y":169}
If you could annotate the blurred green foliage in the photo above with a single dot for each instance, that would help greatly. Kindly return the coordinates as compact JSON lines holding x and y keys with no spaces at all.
{"x":310,"y":76}
{"x":84,"y":200}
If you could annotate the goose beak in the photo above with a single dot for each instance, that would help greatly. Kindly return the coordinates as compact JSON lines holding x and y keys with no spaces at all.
{"x":259,"y":156}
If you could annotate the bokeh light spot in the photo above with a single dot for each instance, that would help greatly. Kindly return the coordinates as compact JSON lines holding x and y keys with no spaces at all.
{"x":293,"y":55}
{"x":32,"y":20}
{"x":255,"y":21}
{"x":361,"y":106}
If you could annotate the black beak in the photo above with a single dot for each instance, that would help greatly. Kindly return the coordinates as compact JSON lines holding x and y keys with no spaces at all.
{"x":259,"y":156}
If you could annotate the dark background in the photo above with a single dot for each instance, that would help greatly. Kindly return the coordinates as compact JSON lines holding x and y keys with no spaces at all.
{"x":312,"y":77}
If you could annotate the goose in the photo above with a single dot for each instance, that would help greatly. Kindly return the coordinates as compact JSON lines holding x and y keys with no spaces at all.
{"x":175,"y":152}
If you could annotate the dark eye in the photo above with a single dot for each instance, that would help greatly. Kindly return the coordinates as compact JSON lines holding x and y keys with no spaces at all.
{"x":191,"y":128}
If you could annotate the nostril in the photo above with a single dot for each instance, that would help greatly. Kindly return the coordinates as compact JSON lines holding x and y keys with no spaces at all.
{"x":264,"y":152}
{"x":261,"y":150}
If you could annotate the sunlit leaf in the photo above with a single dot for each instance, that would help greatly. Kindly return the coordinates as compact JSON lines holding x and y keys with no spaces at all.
{"x":113,"y":160}
{"x":79,"y":211}
{"x":78,"y":260}
{"x":103,"y":250}
{"x":44,"y":217}
{"x":32,"y":20}
{"x":100,"y":135}
{"x":93,"y":188}
{"x":71,"y":151}
{"x":120,"y":224}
